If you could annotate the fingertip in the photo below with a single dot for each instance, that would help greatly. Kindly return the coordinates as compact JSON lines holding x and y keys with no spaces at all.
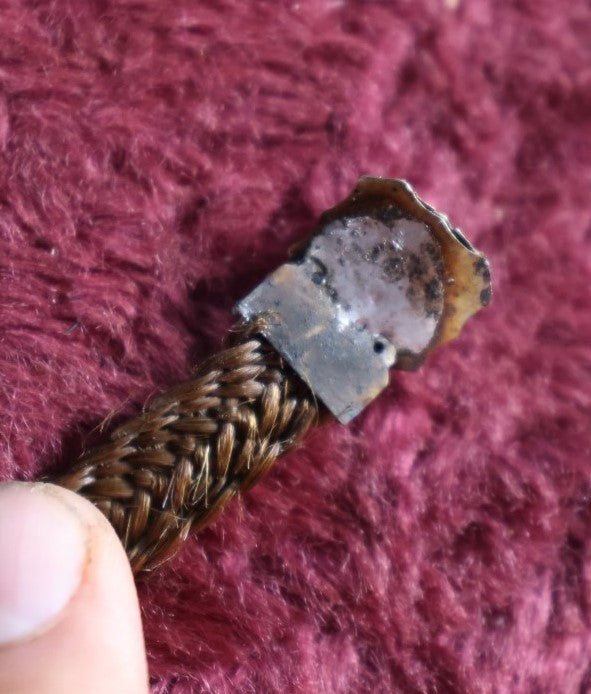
{"x":67,"y":599}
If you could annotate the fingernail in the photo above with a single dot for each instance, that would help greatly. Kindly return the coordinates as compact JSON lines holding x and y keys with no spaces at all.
{"x":42,"y":553}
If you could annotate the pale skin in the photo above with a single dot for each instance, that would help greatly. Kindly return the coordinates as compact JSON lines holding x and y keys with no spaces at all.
{"x":83,"y":632}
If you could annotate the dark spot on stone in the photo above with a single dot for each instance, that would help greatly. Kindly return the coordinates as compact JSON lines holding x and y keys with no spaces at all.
{"x":416,"y":267}
{"x":393,"y":267}
{"x":375,"y":253}
{"x":372,"y":255}
{"x":332,"y":293}
{"x":431,"y":250}
{"x":433,"y":298}
{"x":433,"y":290}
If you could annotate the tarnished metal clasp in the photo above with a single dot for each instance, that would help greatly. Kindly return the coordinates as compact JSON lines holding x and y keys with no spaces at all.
{"x":382,"y":280}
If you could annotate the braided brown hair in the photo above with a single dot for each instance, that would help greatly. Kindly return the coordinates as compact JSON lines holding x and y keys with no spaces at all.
{"x":172,"y":468}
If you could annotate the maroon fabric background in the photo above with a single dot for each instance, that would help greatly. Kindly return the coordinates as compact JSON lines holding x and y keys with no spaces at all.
{"x":157,"y":159}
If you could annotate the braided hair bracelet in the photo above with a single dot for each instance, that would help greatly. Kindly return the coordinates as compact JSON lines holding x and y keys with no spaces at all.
{"x":381,"y":281}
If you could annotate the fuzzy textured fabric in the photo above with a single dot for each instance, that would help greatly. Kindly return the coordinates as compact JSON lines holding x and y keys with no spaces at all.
{"x":157,"y":159}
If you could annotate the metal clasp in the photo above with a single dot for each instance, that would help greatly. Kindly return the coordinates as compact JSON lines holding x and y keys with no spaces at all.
{"x":382,"y":280}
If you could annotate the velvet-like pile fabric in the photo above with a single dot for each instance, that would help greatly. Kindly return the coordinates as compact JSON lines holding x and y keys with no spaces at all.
{"x":157,"y":159}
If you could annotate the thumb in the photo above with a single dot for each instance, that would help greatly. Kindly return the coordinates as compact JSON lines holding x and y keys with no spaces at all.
{"x":69,"y":616}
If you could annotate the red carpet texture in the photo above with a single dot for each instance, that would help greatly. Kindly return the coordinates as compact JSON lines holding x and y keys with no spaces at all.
{"x":157,"y":159}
